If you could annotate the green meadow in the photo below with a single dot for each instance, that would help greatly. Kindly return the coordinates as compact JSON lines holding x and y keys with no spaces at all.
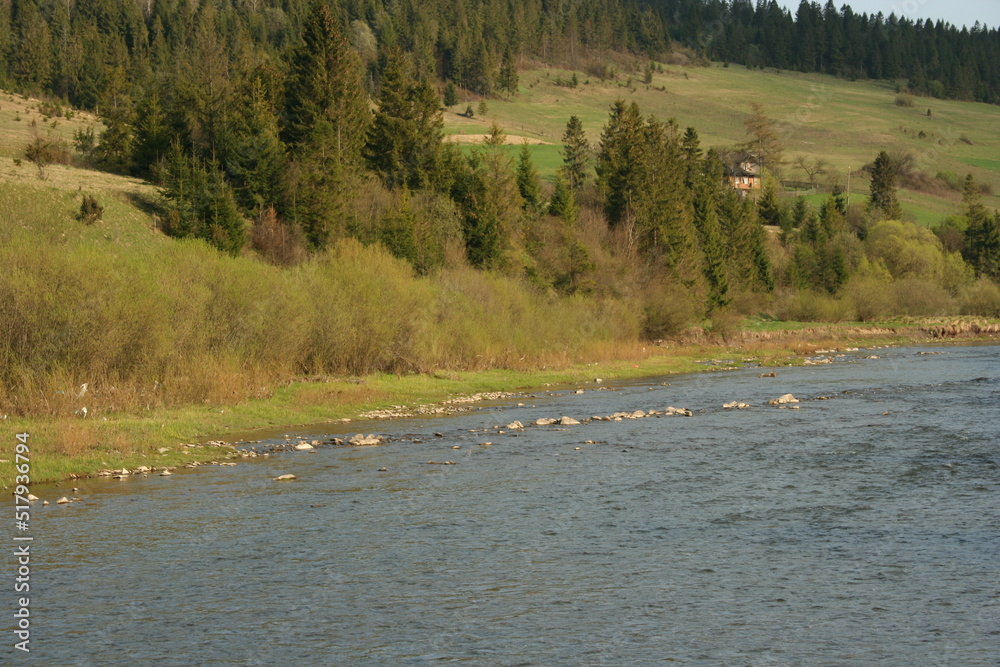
{"x":817,"y":116}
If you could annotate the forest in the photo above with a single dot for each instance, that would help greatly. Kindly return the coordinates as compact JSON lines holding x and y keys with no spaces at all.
{"x":296,"y":134}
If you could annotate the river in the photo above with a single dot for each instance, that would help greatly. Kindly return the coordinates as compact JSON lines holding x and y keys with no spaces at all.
{"x":861,"y":529}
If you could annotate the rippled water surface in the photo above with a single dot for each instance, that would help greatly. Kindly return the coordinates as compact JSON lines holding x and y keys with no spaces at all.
{"x":859,"y":530}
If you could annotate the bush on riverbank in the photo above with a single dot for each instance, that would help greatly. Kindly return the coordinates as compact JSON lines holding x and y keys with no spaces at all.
{"x":178,"y":322}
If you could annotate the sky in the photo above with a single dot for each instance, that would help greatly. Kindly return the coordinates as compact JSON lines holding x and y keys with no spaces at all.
{"x":957,"y":12}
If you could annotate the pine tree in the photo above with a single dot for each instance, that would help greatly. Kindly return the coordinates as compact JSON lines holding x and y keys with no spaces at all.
{"x":982,"y":236}
{"x":326,"y":118}
{"x":883,"y":188}
{"x":507,"y":78}
{"x":255,"y":159}
{"x":768,"y":207}
{"x":563,"y":203}
{"x":527,"y":180}
{"x":576,"y":153}
{"x":762,"y":138}
{"x":617,"y":162}
{"x":450,"y":94}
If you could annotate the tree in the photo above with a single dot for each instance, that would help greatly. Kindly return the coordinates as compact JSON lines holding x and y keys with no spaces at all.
{"x":450,"y":94}
{"x":762,"y":138}
{"x":405,"y":137}
{"x":883,"y":188}
{"x":768,"y":207}
{"x":256,"y":160}
{"x":42,"y":151}
{"x":982,"y":236}
{"x":507,"y":79}
{"x":200,"y":202}
{"x":325,"y":123}
{"x":527,"y":180}
{"x":813,"y":168}
{"x":563,"y":203}
{"x":576,"y":153}
{"x":617,"y":162}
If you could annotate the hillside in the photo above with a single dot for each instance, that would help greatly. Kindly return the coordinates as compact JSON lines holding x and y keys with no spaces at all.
{"x":819,"y":116}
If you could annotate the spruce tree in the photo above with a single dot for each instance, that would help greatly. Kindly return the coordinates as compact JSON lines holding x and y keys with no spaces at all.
{"x":527,"y":180}
{"x":325,"y":122}
{"x":982,"y":236}
{"x":617,"y":161}
{"x":507,"y":79}
{"x":883,"y":188}
{"x":563,"y":203}
{"x":576,"y":153}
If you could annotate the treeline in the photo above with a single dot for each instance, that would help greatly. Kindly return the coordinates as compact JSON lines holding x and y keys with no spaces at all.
{"x":74,"y":50}
{"x":935,"y":58}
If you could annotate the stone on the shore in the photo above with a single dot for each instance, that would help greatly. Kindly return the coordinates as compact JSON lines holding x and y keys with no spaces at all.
{"x":32,"y":497}
{"x":63,"y":501}
{"x":544,"y":421}
{"x":45,"y":502}
{"x":303,"y":445}
{"x":568,"y":421}
{"x":783,"y":400}
{"x":285,"y":478}
{"x":166,"y":473}
{"x":579,"y":391}
{"x":514,"y":425}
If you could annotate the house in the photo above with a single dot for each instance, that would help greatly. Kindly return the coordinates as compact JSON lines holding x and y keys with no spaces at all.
{"x":743,"y":174}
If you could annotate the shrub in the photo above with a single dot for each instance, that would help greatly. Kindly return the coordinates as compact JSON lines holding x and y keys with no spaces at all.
{"x":812,"y":306}
{"x":904,"y":100}
{"x":981,"y":298}
{"x":917,"y":297}
{"x":90,"y":210}
{"x":872,"y":298}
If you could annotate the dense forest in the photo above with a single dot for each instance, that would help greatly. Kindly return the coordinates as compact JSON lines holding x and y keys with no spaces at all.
{"x":71,"y":49}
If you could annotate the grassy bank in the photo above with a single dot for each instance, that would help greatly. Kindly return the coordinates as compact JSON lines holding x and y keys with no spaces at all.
{"x":62,"y":447}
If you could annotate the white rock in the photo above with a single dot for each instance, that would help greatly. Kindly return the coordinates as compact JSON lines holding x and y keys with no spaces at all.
{"x":544,"y":421}
{"x":162,"y":450}
{"x":514,"y":425}
{"x":783,"y":400}
{"x":568,"y":421}
{"x":285,"y":478}
{"x":63,"y":501}
{"x":32,"y":497}
{"x":166,"y":473}
{"x":579,"y":391}
{"x":303,"y":445}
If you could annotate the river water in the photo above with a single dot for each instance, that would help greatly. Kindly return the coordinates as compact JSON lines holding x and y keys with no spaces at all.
{"x":859,"y":530}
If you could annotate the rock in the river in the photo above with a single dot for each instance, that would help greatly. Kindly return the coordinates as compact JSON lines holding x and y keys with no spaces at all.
{"x":735,"y":405}
{"x":670,"y":411}
{"x":303,"y":445}
{"x":544,"y":421}
{"x":166,"y":473}
{"x":514,"y":425}
{"x":783,"y":400}
{"x":63,"y":501}
{"x":360,"y":440}
{"x":772,"y":374}
{"x":285,"y":478}
{"x":568,"y":421}
{"x":32,"y":497}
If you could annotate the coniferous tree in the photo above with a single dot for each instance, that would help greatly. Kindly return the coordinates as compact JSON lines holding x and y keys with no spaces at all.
{"x":576,"y":153}
{"x":563,"y":203}
{"x":883,"y":188}
{"x":527,"y":180}
{"x":982,"y":236}
{"x":507,"y":79}
{"x":617,"y":162}
{"x":326,"y":118}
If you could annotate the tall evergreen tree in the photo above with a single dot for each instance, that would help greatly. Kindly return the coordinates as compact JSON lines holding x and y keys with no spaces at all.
{"x":883,"y":188}
{"x":982,"y":236}
{"x":527,"y":180}
{"x":617,"y":162}
{"x":326,"y":118}
{"x":576,"y":153}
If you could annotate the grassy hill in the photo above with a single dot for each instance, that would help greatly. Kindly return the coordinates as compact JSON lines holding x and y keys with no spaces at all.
{"x":846,"y":123}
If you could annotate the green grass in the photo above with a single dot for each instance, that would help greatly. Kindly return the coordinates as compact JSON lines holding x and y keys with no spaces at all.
{"x":847,"y":123}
